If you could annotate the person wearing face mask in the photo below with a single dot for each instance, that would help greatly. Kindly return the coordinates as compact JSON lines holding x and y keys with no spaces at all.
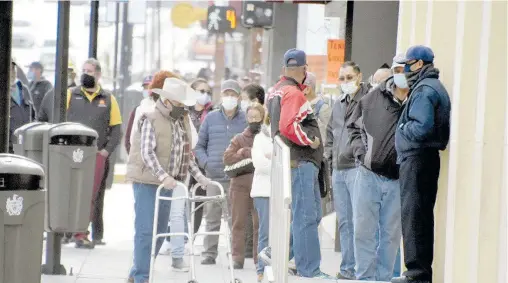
{"x":39,"y":86}
{"x":241,"y":203}
{"x":161,"y":153}
{"x":147,"y":104}
{"x":203,"y":103}
{"x":292,"y":120}
{"x":340,"y":154}
{"x":21,"y":108}
{"x":422,"y":131}
{"x":376,"y":204}
{"x":251,"y":94}
{"x":215,"y":135}
{"x":92,"y":106}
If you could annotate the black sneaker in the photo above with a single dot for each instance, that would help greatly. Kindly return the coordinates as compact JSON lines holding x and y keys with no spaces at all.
{"x":84,"y":244}
{"x":408,"y":280}
{"x":208,"y":261}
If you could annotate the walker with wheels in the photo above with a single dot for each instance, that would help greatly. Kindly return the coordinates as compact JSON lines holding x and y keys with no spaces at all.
{"x":190,"y":209}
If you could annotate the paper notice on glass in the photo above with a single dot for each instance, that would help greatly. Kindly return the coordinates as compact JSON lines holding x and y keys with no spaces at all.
{"x":332,"y":26}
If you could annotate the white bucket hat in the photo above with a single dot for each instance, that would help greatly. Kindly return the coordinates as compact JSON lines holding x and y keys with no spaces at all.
{"x":176,"y":89}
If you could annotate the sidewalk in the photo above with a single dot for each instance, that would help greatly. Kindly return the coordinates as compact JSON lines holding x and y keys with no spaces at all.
{"x":111,"y":263}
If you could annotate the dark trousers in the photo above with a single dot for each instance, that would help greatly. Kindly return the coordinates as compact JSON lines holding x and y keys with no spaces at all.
{"x":98,"y":207}
{"x":418,"y":183}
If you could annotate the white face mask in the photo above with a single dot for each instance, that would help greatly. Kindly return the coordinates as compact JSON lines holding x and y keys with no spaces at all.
{"x":349,"y":88}
{"x":203,"y":99}
{"x":229,"y":103}
{"x":244,"y":105}
{"x":400,"y":80}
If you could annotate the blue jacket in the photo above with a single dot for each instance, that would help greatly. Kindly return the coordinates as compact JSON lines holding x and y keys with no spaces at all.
{"x":215,"y":134}
{"x":425,"y":120}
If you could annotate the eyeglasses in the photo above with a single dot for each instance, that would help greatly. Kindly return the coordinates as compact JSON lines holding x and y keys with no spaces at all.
{"x":348,"y":78}
{"x":202,"y":91}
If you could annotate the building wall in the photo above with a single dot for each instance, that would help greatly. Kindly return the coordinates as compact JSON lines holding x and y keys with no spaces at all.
{"x":469,"y":39}
{"x":373,"y":34}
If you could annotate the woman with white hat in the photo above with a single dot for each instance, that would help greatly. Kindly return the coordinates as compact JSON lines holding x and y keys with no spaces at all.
{"x":149,"y":165}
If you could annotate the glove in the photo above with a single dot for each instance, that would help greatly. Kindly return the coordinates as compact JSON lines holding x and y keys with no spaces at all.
{"x":169,"y":183}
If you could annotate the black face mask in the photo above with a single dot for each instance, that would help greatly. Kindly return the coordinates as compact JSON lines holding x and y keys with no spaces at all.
{"x":87,"y":81}
{"x":177,"y":112}
{"x":255,"y":127}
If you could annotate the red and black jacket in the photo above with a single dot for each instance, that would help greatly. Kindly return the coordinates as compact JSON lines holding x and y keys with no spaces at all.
{"x":292,"y":118}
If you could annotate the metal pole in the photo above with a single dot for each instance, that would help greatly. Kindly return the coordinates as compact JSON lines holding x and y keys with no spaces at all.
{"x":158,"y":35}
{"x":125,"y":55}
{"x":94,"y":29}
{"x":54,"y":240}
{"x":115,"y":64}
{"x":5,"y":67}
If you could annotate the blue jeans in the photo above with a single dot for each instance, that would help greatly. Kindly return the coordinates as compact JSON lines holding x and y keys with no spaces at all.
{"x":262,"y":205}
{"x":306,"y":215}
{"x":144,"y":209}
{"x":376,"y":205}
{"x":397,"y":267}
{"x":178,"y":222}
{"x":343,"y":190}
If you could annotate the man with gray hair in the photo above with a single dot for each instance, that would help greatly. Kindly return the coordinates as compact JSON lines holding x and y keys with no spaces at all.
{"x":92,"y":106}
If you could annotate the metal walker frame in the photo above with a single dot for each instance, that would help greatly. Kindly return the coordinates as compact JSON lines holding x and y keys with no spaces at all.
{"x":190,"y":209}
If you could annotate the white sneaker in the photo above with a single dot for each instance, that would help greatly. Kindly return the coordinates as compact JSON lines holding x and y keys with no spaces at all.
{"x":166,"y":248}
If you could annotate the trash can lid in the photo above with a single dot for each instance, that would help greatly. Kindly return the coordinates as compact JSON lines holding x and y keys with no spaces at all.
{"x":17,"y":164}
{"x":37,"y":128}
{"x":72,"y":129}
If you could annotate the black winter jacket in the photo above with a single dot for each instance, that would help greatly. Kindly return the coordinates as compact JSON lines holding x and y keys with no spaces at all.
{"x":372,"y":130}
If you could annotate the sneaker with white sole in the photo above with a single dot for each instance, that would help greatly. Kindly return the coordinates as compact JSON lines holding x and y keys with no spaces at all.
{"x":166,"y":248}
{"x":266,"y":256}
{"x":180,"y":265}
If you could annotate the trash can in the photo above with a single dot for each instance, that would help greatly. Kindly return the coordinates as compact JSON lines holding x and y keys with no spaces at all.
{"x":69,"y":158}
{"x":30,"y":139}
{"x":22,"y":219}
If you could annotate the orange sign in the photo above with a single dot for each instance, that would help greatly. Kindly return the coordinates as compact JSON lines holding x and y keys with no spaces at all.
{"x":316,"y":64}
{"x":336,"y":51}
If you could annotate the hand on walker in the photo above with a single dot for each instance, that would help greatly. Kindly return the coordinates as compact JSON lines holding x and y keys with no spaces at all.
{"x":205,"y":182}
{"x":169,"y":183}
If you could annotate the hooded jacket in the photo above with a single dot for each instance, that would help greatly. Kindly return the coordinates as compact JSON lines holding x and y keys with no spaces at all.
{"x":425,"y":120}
{"x":372,"y":130}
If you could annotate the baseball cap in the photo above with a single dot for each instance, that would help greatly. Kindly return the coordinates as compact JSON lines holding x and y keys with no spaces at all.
{"x":230,"y":85}
{"x":295,"y":58}
{"x":397,"y":58}
{"x":147,"y":80}
{"x":36,"y":65}
{"x":418,"y":52}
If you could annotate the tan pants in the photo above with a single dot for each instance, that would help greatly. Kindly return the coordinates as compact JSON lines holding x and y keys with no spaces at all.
{"x":241,"y":204}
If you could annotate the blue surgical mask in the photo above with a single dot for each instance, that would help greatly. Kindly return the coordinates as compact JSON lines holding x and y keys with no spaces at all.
{"x":407,"y":67}
{"x":30,"y":76}
{"x":146,"y":93}
{"x":400,"y":80}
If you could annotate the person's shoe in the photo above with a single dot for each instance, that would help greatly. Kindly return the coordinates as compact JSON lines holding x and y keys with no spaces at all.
{"x":408,"y":280}
{"x":322,"y":275}
{"x":208,"y":261}
{"x":236,"y":265}
{"x":130,"y":280}
{"x":266,"y":256}
{"x":166,"y":248}
{"x":99,"y":242}
{"x":260,"y":278}
{"x":342,"y":277}
{"x":84,"y":243}
{"x":179,"y":265}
